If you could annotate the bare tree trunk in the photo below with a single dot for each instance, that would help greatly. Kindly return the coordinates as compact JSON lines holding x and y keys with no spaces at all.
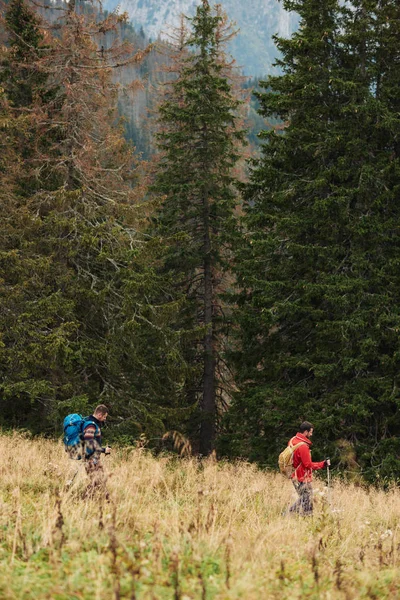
{"x":207,"y":430}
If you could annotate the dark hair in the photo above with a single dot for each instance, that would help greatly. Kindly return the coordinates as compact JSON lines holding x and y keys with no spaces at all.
{"x":306,"y":426}
{"x":101,"y":409}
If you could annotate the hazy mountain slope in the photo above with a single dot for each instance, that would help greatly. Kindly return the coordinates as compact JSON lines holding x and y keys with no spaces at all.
{"x":258,"y":20}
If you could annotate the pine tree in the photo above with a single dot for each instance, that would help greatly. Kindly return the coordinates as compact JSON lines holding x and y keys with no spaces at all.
{"x":319,"y":313}
{"x":198,"y":142}
{"x":282,"y":181}
{"x":19,"y":75}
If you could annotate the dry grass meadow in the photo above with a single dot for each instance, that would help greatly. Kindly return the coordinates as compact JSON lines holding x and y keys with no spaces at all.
{"x":168,"y":528}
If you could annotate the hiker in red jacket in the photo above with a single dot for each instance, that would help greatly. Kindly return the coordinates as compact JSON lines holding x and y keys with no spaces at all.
{"x":303,"y":469}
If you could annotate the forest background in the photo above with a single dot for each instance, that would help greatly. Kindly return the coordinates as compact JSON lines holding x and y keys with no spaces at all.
{"x":204,"y":298}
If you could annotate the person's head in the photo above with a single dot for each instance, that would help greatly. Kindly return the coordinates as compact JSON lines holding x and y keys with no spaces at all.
{"x":306,"y":428}
{"x":101,"y":412}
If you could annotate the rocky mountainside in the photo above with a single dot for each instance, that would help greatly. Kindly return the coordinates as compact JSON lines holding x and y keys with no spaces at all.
{"x":258,"y":21}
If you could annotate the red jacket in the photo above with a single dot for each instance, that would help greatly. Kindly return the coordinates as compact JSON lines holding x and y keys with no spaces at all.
{"x":302,"y":459}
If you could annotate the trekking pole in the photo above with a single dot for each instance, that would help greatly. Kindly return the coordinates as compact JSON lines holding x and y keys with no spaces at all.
{"x":329,"y":484}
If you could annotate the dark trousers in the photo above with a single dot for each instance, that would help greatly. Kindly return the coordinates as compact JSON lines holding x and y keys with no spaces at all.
{"x":304,"y":503}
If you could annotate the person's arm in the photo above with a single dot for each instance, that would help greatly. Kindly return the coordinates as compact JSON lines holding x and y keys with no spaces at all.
{"x":92,"y":445}
{"x":89,"y":436}
{"x":89,"y":432}
{"x":305,"y":457}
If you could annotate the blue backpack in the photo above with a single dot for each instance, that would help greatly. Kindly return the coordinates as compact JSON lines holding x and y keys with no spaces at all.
{"x":73,"y":430}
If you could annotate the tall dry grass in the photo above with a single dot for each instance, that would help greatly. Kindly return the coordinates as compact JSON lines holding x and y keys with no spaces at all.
{"x":181,"y":529}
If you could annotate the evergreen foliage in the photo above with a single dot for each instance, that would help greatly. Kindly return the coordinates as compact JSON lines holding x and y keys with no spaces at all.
{"x":83,"y":313}
{"x":25,"y":45}
{"x":319,"y":312}
{"x":199,"y":133}
{"x":107,"y":295}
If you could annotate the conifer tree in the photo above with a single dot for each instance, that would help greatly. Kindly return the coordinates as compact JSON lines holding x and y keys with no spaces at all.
{"x":319,"y":312}
{"x":198,"y":139}
{"x":19,"y":75}
{"x":83,"y":313}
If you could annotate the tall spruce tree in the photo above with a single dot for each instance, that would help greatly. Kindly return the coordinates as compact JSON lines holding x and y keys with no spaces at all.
{"x":319,"y":313}
{"x":198,"y":140}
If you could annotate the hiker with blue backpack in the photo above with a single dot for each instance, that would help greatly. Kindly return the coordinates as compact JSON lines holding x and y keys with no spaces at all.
{"x":295,"y":462}
{"x":82,"y":437}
